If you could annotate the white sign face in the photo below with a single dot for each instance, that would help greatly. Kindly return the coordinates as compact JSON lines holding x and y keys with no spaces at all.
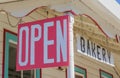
{"x":94,"y":50}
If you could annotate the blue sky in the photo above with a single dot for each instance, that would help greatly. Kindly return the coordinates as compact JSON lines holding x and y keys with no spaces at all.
{"x":118,"y":1}
{"x":113,"y":6}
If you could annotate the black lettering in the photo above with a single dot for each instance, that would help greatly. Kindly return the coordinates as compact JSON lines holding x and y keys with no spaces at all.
{"x":104,"y":54}
{"x":82,"y":44}
{"x":109,"y":56}
{"x":88,"y":48}
{"x":93,"y":49}
{"x":98,"y":53}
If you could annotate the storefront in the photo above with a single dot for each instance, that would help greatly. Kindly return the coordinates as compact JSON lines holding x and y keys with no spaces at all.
{"x":95,"y":54}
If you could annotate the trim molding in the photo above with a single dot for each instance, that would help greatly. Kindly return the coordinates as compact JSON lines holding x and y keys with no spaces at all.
{"x":9,"y":35}
{"x":4,"y":49}
{"x":108,"y":74}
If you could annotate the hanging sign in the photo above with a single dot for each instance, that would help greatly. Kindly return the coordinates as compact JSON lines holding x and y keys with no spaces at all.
{"x":43,"y":43}
{"x":91,"y":49}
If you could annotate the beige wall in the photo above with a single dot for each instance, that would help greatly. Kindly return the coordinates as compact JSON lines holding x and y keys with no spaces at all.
{"x":4,"y":25}
{"x":8,"y":21}
{"x":90,"y":64}
{"x":89,"y":30}
{"x":53,"y":73}
{"x":93,"y":66}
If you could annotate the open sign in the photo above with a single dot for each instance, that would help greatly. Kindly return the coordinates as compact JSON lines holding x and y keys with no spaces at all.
{"x":43,"y":43}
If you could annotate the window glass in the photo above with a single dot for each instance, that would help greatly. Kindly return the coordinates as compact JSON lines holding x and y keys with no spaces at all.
{"x":78,"y":76}
{"x":12,"y":73}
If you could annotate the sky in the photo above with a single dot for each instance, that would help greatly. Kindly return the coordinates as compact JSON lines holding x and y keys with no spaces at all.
{"x":118,"y":1}
{"x":113,"y":6}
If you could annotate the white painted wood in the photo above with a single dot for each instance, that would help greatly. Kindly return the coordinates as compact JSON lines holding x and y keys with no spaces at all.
{"x":71,"y":47}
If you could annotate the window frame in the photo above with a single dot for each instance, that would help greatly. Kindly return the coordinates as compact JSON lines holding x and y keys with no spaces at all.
{"x":80,"y":69}
{"x":7,"y":37}
{"x":77,"y":72}
{"x":107,"y":74}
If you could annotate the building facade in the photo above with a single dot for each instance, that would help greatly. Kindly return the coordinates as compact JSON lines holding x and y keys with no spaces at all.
{"x":95,"y":54}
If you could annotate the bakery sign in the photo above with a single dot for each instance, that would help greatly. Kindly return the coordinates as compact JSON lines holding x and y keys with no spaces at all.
{"x":43,"y":43}
{"x":93,"y":50}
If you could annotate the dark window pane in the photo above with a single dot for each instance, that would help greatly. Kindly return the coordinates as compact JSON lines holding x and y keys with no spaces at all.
{"x":12,"y":73}
{"x":28,"y":74}
{"x":78,"y":76}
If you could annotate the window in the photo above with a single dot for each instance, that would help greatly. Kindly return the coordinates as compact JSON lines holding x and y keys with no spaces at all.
{"x":80,"y":72}
{"x":104,"y":74}
{"x":9,"y":59}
